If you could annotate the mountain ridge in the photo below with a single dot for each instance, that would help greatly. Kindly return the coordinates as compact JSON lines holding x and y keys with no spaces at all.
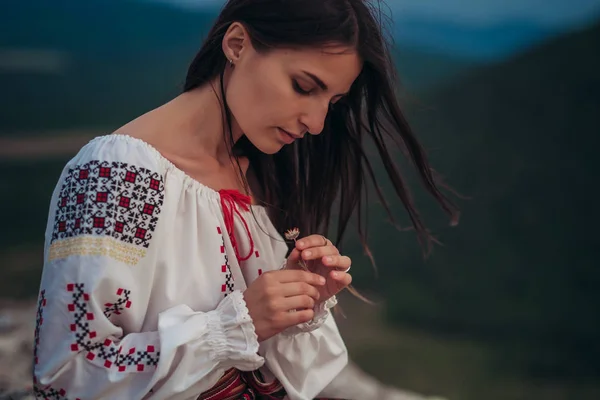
{"x":519,"y":138}
{"x":120,"y":58}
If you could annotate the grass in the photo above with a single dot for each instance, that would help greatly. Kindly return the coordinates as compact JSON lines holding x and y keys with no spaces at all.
{"x":456,"y":368}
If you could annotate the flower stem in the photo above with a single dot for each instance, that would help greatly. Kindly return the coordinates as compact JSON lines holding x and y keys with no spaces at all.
{"x":301,"y":261}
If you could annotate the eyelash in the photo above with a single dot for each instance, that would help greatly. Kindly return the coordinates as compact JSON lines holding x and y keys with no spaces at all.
{"x":299,"y":89}
{"x":303,"y":92}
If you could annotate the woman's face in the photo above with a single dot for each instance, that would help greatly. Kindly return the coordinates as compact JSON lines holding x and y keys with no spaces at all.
{"x":278,"y":97}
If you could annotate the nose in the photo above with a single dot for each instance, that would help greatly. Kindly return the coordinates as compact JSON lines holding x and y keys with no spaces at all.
{"x":314,"y":118}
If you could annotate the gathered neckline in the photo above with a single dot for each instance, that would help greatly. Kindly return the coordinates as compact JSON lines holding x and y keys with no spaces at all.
{"x":167,"y":164}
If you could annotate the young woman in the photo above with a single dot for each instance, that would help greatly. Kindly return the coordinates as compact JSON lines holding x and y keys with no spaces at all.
{"x":165,"y":272}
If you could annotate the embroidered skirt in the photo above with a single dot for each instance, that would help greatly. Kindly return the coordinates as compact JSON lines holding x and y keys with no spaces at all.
{"x":235,"y":384}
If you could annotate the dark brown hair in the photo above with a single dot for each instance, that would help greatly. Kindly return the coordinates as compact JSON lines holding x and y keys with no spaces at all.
{"x":303,"y":181}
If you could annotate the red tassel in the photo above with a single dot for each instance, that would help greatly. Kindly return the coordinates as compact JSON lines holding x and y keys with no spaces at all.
{"x":230,"y":200}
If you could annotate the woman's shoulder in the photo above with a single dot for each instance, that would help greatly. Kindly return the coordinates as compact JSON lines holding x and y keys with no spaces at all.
{"x":112,"y":188}
{"x":112,"y":171}
{"x":117,"y":151}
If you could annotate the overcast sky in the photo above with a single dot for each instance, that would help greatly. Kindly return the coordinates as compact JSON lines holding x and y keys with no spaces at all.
{"x":481,"y":12}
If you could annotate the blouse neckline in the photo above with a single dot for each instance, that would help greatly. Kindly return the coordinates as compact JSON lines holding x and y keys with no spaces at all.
{"x":189,"y":182}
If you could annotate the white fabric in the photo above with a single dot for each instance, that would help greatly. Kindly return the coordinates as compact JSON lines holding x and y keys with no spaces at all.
{"x":141,"y":292}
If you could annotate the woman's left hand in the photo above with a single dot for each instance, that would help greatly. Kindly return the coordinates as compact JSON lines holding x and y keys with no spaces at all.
{"x":323,"y":258}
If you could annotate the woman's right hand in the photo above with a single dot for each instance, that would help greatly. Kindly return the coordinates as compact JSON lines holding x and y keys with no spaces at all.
{"x":272,"y":296}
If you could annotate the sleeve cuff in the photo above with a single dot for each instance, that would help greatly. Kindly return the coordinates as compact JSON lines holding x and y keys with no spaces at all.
{"x":321,"y":314}
{"x":232,"y":335}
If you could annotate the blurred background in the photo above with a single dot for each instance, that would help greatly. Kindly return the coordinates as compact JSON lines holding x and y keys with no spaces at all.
{"x":504,"y":94}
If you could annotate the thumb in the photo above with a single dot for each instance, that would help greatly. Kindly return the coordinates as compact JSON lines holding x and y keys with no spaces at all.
{"x":294,"y":256}
{"x":293,"y":260}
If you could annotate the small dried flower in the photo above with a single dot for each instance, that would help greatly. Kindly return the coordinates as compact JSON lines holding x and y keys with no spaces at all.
{"x":292,"y":234}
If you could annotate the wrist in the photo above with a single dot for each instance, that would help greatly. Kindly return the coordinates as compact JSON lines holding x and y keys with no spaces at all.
{"x":326,"y":304}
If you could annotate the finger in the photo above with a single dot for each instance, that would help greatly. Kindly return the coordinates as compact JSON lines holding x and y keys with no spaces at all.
{"x":312,"y":241}
{"x":298,"y":303}
{"x":297,"y":317}
{"x":298,"y":289}
{"x":293,"y":275}
{"x":315,"y":253}
{"x":294,"y":255}
{"x":338,"y":261}
{"x":342,"y":279}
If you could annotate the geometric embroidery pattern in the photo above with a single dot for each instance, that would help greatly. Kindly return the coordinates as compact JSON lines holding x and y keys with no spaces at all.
{"x":49,"y":393}
{"x":121,"y":304}
{"x":107,"y":199}
{"x":229,"y":285}
{"x":38,"y":391}
{"x":106,"y":353}
{"x":39,"y":320}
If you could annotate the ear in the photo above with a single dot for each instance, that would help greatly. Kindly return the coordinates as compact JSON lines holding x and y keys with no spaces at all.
{"x":235,"y":41}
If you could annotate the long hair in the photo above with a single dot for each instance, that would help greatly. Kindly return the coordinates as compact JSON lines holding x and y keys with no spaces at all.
{"x":303,"y":181}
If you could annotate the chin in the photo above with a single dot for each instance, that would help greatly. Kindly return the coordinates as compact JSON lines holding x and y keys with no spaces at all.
{"x":270,"y":149}
{"x":266,"y":146}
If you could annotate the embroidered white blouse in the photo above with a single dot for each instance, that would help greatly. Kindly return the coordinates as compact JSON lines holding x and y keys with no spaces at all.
{"x":141,"y":291}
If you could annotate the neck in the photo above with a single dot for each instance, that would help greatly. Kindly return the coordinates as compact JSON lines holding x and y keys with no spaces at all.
{"x":198,"y":120}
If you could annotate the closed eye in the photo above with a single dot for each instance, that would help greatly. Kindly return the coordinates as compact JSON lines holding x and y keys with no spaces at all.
{"x":300,"y":89}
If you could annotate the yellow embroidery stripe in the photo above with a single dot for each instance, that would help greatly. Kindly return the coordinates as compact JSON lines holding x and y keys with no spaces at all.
{"x":96,"y":246}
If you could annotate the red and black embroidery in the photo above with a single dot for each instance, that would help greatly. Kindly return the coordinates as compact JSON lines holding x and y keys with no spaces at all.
{"x":106,"y":353}
{"x":49,"y":393}
{"x":39,"y":320}
{"x":121,"y":304}
{"x":113,"y":199}
{"x":41,"y":392}
{"x":229,"y":285}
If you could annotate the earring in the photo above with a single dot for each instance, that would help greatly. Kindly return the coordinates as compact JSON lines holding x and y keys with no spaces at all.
{"x":230,"y":61}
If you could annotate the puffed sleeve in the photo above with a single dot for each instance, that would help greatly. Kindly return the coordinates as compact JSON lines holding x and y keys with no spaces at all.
{"x":306,"y":359}
{"x":97,"y":279}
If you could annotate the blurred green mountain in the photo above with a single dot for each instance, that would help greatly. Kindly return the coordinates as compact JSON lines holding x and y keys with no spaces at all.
{"x":119,"y":58}
{"x":520,"y":139}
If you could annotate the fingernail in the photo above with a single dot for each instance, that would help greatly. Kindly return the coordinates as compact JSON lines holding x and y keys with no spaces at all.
{"x":301,"y":244}
{"x":328,"y":259}
{"x":307,"y":253}
{"x":321,"y":280}
{"x":336,"y":274}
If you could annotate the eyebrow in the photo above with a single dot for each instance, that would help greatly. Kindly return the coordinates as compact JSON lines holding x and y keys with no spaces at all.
{"x":320,"y":83}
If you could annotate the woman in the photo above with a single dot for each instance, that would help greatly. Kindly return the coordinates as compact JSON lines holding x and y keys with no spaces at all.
{"x":165,"y":273}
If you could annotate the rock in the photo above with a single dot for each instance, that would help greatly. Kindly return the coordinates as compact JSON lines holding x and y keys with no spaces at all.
{"x":17,"y":326}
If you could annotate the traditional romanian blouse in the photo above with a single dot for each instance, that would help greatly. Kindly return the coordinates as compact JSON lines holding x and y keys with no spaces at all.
{"x":141,"y":292}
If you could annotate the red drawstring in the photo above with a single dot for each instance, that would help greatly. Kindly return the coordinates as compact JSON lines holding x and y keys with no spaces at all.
{"x":230,"y":199}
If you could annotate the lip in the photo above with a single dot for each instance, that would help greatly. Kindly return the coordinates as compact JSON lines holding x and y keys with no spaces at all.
{"x":287,"y":136}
